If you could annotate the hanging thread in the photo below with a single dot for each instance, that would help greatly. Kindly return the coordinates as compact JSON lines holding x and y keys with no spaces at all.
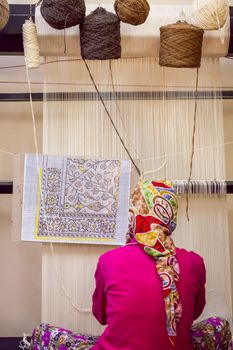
{"x":180,"y":45}
{"x":193,"y":145}
{"x":31,"y":44}
{"x":209,"y":14}
{"x":134,"y":12}
{"x":131,"y":144}
{"x":61,"y":14}
{"x":100,"y":36}
{"x":4,"y":13}
{"x":7,"y":152}
{"x":111,"y":120}
{"x":63,"y":287}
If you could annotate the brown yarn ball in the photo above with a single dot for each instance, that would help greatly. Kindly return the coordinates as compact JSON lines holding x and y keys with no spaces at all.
{"x":4,"y":13}
{"x":134,"y":12}
{"x":100,"y":36}
{"x":61,"y":14}
{"x":180,"y":45}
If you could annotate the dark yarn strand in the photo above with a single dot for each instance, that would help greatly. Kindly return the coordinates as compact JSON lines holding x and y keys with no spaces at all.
{"x":193,"y":144}
{"x":180,"y":45}
{"x":61,"y":14}
{"x":134,"y":12}
{"x":100,"y":36}
{"x":110,"y":117}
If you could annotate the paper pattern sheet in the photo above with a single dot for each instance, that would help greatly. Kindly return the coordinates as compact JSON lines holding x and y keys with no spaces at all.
{"x":75,"y":200}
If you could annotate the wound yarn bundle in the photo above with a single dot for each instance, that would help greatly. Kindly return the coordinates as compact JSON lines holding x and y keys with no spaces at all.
{"x":180,"y":45}
{"x":4,"y":13}
{"x":61,"y":14}
{"x":100,"y":36}
{"x":30,"y":44}
{"x":209,"y":14}
{"x":134,"y":12}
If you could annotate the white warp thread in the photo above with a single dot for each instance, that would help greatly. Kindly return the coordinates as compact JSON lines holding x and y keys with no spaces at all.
{"x":160,"y":128}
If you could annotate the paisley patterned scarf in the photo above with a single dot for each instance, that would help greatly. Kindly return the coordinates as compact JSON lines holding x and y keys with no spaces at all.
{"x":152,"y":218}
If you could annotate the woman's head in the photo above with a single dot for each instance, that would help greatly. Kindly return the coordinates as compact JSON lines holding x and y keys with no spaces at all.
{"x":152,"y":218}
{"x":153,"y":208}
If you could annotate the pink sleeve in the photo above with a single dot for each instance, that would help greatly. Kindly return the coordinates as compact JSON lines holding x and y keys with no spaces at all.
{"x":99,"y":297}
{"x":200,"y":300}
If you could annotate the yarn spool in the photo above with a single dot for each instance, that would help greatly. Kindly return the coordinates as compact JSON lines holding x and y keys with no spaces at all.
{"x":134,"y":12}
{"x":61,"y":14}
{"x":4,"y":13}
{"x":180,"y":45}
{"x":100,"y":36}
{"x":209,"y":14}
{"x":30,"y":44}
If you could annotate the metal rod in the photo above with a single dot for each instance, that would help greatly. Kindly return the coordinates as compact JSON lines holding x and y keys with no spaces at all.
{"x":119,"y":95}
{"x":7,"y":187}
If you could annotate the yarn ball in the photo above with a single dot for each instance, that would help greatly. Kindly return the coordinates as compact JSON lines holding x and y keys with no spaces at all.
{"x":180,"y":45}
{"x":100,"y":36}
{"x":209,"y":14}
{"x":4,"y":13}
{"x":61,"y":14}
{"x":134,"y":12}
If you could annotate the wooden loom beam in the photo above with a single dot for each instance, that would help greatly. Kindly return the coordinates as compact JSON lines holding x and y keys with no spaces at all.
{"x":7,"y":187}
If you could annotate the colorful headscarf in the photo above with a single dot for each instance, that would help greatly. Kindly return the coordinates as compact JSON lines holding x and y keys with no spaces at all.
{"x":152,"y":218}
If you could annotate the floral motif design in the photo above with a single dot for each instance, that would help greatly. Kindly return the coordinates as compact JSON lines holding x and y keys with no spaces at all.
{"x":79,"y":198}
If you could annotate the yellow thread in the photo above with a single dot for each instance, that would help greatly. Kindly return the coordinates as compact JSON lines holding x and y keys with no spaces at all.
{"x":38,"y":203}
{"x":73,"y":239}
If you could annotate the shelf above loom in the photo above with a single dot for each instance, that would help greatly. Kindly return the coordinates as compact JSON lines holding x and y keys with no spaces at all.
{"x":137,"y":41}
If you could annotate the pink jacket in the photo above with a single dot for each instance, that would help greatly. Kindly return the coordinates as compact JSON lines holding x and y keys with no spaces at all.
{"x":128,"y":298}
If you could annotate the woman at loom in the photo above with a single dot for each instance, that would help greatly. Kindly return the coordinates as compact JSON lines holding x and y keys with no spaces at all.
{"x":148,"y":292}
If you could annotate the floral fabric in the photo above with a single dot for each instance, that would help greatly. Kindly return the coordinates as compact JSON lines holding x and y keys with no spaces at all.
{"x":46,"y":337}
{"x":152,"y":218}
{"x":211,"y":334}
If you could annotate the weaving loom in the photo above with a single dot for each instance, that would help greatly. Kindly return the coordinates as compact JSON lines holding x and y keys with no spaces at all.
{"x":158,"y":132}
{"x":155,"y":122}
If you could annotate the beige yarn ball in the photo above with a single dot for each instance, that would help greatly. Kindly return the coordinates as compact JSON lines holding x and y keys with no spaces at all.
{"x":4,"y":13}
{"x":134,"y":12}
{"x":209,"y":14}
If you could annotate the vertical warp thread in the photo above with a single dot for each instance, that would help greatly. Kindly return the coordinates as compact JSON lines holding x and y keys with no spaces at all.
{"x":130,"y":143}
{"x":193,"y":146}
{"x":111,"y":120}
